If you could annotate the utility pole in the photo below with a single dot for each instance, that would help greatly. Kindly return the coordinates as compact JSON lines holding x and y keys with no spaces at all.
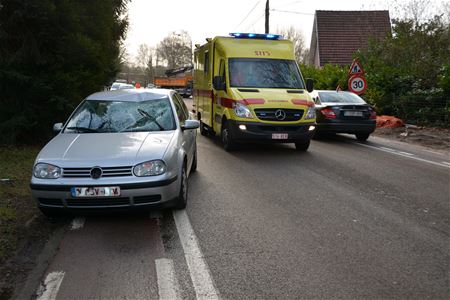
{"x":267,"y":16}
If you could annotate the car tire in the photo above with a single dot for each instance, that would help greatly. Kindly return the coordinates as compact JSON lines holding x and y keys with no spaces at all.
{"x":362,"y":137}
{"x":194,"y":161}
{"x":302,"y":146}
{"x":228,"y":142}
{"x":182,"y":196}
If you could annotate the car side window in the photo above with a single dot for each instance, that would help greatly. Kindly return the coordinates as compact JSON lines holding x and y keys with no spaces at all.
{"x":182,"y":114}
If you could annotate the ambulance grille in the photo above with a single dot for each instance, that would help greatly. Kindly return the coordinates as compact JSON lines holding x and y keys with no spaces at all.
{"x":269,"y":114}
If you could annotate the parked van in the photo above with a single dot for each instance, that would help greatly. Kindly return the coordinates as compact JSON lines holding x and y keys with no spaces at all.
{"x":248,"y":87}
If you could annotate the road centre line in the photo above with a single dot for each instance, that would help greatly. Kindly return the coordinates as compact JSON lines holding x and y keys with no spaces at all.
{"x":77,"y":223}
{"x":401,"y":153}
{"x":49,"y":289}
{"x":168,"y":287}
{"x":198,"y":269}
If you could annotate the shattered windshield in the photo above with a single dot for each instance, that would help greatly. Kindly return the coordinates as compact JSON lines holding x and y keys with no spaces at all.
{"x":122,"y":116}
{"x":264,"y":73}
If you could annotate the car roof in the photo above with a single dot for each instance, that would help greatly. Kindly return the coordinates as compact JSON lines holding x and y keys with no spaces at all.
{"x":132,"y":95}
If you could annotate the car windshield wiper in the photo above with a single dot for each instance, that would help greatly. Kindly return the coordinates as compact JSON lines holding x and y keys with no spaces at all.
{"x":82,"y":129}
{"x":152,"y":118}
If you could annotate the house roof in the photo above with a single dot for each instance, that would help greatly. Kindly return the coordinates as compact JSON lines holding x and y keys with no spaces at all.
{"x":341,"y":33}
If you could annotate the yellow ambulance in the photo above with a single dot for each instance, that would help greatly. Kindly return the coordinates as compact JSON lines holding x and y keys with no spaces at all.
{"x":248,"y":87}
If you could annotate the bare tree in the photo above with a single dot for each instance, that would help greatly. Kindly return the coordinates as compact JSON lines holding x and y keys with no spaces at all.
{"x":145,"y":59}
{"x":175,"y":50}
{"x":295,"y":35}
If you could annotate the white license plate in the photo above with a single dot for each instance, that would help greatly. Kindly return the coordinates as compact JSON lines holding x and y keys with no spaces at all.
{"x":279,"y":136}
{"x":104,"y":191}
{"x":353,"y":113}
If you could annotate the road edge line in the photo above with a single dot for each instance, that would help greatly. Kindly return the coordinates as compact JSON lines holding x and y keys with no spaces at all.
{"x":49,"y":289}
{"x":198,"y":268}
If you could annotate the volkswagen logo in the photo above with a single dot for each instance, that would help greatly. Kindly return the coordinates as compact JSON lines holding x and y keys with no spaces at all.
{"x":96,"y":172}
{"x":280,"y":115}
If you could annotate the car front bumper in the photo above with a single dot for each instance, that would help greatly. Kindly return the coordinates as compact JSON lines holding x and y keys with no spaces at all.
{"x":263,"y":132}
{"x":155,"y":194}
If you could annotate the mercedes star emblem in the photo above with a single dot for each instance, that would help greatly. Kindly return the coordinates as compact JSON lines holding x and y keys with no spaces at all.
{"x":280,"y":115}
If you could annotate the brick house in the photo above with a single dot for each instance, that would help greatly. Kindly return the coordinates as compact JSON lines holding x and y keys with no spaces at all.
{"x":337,"y":35}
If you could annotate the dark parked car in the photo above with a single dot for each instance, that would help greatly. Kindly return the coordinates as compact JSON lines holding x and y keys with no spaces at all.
{"x":343,"y":112}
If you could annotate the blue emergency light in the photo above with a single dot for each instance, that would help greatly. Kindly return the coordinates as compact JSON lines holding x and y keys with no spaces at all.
{"x":264,"y":36}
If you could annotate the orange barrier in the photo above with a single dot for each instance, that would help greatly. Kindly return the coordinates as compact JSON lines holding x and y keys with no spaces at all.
{"x":389,"y":122}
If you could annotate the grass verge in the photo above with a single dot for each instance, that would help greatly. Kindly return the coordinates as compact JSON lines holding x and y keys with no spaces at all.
{"x":16,"y":205}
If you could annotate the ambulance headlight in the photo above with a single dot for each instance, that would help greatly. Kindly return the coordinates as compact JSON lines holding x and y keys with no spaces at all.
{"x":311,"y":114}
{"x":242,"y":111}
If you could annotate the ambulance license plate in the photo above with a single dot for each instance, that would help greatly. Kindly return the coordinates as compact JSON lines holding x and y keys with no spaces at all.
{"x":104,"y":191}
{"x":279,"y":136}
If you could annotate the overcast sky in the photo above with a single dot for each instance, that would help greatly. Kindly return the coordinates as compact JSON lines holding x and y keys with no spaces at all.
{"x":151,"y":21}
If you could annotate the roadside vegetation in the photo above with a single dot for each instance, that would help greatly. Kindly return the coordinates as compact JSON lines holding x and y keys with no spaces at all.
{"x":16,"y":207}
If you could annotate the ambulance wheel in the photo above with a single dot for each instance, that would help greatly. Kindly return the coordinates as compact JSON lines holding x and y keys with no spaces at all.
{"x":182,"y":196}
{"x":302,"y":146}
{"x":203,"y":130}
{"x":228,"y":142}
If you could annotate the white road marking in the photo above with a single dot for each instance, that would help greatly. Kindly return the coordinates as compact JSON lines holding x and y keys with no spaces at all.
{"x":446,"y":163}
{"x":401,"y":153}
{"x":77,"y":223}
{"x":199,"y":271}
{"x":49,"y":289}
{"x":168,"y":288}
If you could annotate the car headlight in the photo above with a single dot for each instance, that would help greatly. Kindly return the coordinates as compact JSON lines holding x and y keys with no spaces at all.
{"x":310,"y":114}
{"x":46,"y":171}
{"x":242,"y":111}
{"x":150,"y":168}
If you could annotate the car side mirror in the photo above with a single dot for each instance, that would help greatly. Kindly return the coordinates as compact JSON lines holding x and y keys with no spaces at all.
{"x":309,"y":85}
{"x":219,"y":83}
{"x":190,"y":124}
{"x":57,"y":127}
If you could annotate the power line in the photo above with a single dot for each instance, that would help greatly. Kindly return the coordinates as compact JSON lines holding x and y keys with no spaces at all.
{"x":259,"y":18}
{"x":245,"y":18}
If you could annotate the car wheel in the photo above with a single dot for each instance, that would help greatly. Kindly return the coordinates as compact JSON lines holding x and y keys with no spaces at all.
{"x":194,"y":161}
{"x":182,"y":196}
{"x":227,"y":139}
{"x":302,"y":146}
{"x":362,"y":137}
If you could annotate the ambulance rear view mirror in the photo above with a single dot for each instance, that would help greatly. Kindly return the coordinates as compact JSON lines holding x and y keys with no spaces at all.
{"x":309,"y":85}
{"x":219,"y":83}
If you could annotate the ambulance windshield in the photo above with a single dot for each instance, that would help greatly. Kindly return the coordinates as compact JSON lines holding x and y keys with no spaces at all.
{"x":264,"y":73}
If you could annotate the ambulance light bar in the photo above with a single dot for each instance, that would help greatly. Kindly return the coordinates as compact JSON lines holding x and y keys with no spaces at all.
{"x":264,"y":36}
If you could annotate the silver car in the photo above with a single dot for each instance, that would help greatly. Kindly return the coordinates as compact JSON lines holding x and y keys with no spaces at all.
{"x":118,"y":150}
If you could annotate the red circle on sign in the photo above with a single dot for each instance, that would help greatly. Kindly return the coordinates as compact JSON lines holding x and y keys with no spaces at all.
{"x":357,"y":84}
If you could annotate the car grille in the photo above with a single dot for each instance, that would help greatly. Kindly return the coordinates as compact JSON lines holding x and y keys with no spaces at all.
{"x":107,"y":172}
{"x":268,"y":114}
{"x":98,"y":201}
{"x":146,"y":199}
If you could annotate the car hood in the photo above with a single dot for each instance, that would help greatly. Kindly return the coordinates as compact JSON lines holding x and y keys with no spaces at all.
{"x":105,"y":149}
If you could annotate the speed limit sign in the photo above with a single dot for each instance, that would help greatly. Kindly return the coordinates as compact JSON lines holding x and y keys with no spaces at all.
{"x":357,"y":84}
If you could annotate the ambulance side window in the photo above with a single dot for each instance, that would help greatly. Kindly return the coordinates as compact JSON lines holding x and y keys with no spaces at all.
{"x":222,"y":70}
{"x":206,"y":65}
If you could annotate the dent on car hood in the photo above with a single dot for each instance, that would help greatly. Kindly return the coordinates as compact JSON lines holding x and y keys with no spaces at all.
{"x":114,"y":148}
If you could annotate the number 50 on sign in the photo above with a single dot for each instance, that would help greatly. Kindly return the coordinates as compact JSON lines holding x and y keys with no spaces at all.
{"x":357,"y":84}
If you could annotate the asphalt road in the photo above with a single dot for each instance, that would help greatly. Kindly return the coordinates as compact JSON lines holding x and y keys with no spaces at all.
{"x":341,"y":221}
